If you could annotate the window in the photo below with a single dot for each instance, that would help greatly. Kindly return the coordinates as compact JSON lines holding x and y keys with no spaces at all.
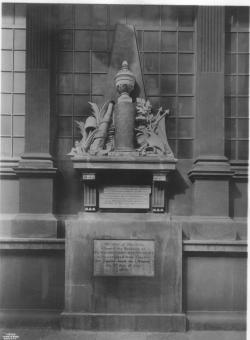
{"x":236,"y":82}
{"x":13,"y":79}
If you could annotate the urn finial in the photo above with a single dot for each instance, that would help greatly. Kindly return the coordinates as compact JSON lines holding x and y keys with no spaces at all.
{"x":124,"y":80}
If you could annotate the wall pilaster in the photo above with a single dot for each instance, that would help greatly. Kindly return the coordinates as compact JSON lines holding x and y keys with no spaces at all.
{"x":211,"y":171}
{"x":35,"y":169}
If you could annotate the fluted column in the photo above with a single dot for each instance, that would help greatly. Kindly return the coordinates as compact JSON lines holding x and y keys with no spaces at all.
{"x":35,"y":168}
{"x":211,"y":170}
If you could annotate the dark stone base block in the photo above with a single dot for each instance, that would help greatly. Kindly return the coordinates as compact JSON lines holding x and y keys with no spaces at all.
{"x":122,"y":322}
{"x":150,"y":300}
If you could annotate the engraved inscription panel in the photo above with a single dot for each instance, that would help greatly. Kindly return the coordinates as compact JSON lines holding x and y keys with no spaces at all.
{"x":125,"y":197}
{"x":124,"y":257}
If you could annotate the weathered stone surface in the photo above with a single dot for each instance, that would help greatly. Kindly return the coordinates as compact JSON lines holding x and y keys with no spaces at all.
{"x":156,"y":296}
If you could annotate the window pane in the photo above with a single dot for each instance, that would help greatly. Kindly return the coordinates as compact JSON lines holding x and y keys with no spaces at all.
{"x":243,"y":107}
{"x":169,"y":16}
{"x":243,"y":128}
{"x":82,"y":62}
{"x":230,"y":128}
{"x":66,"y":16}
{"x":65,"y":40}
{"x":243,"y":85}
{"x":151,"y":41}
{"x":134,"y":15}
{"x":81,"y":83}
{"x":230,"y":42}
{"x":230,"y":149}
{"x":169,"y":103}
{"x":185,"y":149}
{"x":6,"y":103}
{"x":99,"y":40}
{"x":82,"y":15}
{"x":64,"y":105}
{"x":20,"y":40}
{"x":98,"y":83}
{"x":7,"y":14}
{"x":65,"y":83}
{"x":186,"y":16}
{"x":18,"y":146}
{"x":19,"y":103}
{"x":7,"y":60}
{"x":81,"y":105}
{"x":6,"y":144}
{"x":185,"y":106}
{"x":230,"y":85}
{"x":243,"y":17}
{"x":5,"y":125}
{"x":168,"y":63}
{"x":151,"y":63}
{"x":243,"y":42}
{"x":230,"y":107}
{"x":117,"y":14}
{"x":19,"y":61}
{"x":18,"y":126}
{"x":169,"y":41}
{"x":151,"y":15}
{"x":152,"y":85}
{"x":20,"y":14}
{"x":186,"y":85}
{"x":168,"y":84}
{"x":6,"y":85}
{"x":65,"y":126}
{"x":82,"y":40}
{"x":242,"y":149}
{"x":171,"y":128}
{"x":19,"y":82}
{"x":65,"y":61}
{"x":186,"y":63}
{"x":7,"y":39}
{"x":99,"y":14}
{"x":243,"y":63}
{"x":100,"y":62}
{"x":230,"y":63}
{"x":64,"y":146}
{"x":185,"y":128}
{"x":186,"y":41}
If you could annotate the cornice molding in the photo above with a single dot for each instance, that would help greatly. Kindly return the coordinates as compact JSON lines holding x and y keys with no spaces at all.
{"x":210,"y":167}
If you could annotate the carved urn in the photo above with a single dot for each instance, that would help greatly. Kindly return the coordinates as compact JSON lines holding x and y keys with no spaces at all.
{"x":124,"y":82}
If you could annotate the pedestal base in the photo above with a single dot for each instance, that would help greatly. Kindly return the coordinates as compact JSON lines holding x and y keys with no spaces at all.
{"x":122,"y":322}
{"x":120,"y":297}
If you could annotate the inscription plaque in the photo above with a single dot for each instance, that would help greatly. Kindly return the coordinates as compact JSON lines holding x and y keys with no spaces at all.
{"x":124,"y":258}
{"x":125,"y":197}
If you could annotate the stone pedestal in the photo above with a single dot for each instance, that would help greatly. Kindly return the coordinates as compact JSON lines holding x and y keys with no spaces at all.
{"x":143,"y":302}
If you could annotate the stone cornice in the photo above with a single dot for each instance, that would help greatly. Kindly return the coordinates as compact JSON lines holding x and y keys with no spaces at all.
{"x":210,"y":167}
{"x":240,"y":169}
{"x":6,"y":167}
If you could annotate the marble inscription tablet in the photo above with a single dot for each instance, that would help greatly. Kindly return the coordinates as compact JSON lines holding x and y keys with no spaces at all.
{"x":124,"y":257}
{"x":125,"y":197}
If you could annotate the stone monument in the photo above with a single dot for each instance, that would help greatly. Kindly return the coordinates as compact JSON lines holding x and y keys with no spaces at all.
{"x":128,"y":140}
{"x":123,"y":253}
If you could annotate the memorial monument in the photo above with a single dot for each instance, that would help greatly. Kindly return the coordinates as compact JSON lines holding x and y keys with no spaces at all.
{"x":123,"y":261}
